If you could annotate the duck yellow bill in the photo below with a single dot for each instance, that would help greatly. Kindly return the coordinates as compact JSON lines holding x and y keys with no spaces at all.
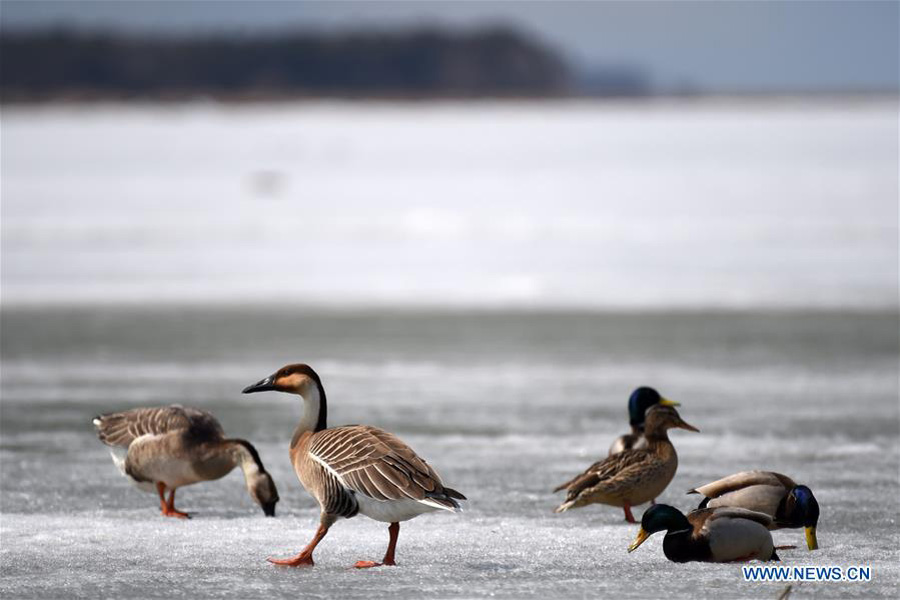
{"x":640,"y":539}
{"x":811,"y":542}
{"x":667,"y":402}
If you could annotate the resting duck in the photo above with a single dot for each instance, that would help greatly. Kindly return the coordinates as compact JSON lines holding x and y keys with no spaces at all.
{"x":354,"y":469}
{"x":630,"y":477}
{"x":169,"y":447}
{"x":639,"y":402}
{"x":709,"y":535}
{"x":788,"y":504}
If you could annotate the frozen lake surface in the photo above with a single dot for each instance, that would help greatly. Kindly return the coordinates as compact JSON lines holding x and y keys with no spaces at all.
{"x":505,"y":405}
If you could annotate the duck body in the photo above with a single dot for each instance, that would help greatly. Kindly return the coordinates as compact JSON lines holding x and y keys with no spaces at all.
{"x":709,"y":535}
{"x":630,"y":477}
{"x":789,"y":505}
{"x":354,"y":469}
{"x":640,"y":401}
{"x":169,"y":447}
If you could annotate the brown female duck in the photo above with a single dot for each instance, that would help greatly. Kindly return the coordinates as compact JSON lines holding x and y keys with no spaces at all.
{"x":630,"y":477}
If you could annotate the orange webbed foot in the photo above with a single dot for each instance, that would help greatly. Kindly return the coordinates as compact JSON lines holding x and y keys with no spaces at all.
{"x":368,"y":564}
{"x":301,"y":560}
{"x":176,"y":513}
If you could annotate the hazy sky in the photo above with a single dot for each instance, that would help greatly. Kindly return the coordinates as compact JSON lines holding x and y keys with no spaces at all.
{"x":729,"y":46}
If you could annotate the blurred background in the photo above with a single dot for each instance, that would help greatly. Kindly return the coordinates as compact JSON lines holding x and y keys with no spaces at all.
{"x":484,"y":224}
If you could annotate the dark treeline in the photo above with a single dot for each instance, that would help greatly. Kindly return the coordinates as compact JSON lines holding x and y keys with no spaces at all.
{"x":424,"y":63}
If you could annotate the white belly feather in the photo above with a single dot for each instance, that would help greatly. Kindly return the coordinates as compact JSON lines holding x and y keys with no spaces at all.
{"x":172,"y":472}
{"x":392,"y":511}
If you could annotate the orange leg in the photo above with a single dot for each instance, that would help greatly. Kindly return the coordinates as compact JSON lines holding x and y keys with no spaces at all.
{"x":628,"y":516}
{"x":161,"y":489}
{"x":388,"y":560}
{"x":169,"y":508}
{"x":304,"y":559}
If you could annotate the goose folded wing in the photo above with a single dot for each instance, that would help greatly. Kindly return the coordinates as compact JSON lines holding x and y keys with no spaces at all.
{"x":378,"y":464}
{"x":122,"y":428}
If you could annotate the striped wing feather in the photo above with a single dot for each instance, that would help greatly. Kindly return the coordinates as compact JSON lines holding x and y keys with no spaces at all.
{"x":603,"y":470}
{"x":122,"y":428}
{"x":376,"y":463}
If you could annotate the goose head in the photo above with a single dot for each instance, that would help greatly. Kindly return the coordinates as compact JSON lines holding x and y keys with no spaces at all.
{"x":292,"y":379}
{"x":260,"y":484}
{"x":262,"y":489}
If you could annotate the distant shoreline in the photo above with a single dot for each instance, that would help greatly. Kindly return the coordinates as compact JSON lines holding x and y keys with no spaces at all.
{"x":413,"y":99}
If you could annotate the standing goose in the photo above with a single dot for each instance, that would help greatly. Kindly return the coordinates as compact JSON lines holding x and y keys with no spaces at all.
{"x":171,"y":446}
{"x":788,"y":504}
{"x":641,"y":400}
{"x":709,"y":535}
{"x":630,"y":477}
{"x":354,"y":468}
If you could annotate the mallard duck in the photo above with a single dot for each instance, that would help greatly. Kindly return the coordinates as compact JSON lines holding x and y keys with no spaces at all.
{"x":709,"y":535}
{"x":790,"y":505}
{"x":354,"y":469}
{"x":639,"y":402}
{"x":169,"y":447}
{"x":630,"y":477}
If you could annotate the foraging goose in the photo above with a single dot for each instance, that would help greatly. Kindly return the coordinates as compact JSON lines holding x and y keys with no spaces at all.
{"x":631,"y":477}
{"x":709,"y":535}
{"x":354,"y":469}
{"x":171,"y":446}
{"x":639,"y":402}
{"x":790,"y":505}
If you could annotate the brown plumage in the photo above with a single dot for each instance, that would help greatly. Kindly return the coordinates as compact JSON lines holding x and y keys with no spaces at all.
{"x":355,"y":468}
{"x":168,"y":447}
{"x":630,"y":477}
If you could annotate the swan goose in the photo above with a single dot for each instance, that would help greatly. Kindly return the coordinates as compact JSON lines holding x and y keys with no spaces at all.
{"x":354,"y":469}
{"x":169,"y":447}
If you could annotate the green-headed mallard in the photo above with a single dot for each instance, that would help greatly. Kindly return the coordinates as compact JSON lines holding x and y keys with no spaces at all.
{"x":709,"y":535}
{"x":168,"y":447}
{"x":631,"y":477}
{"x":639,"y":402}
{"x":790,"y":505}
{"x":354,"y":469}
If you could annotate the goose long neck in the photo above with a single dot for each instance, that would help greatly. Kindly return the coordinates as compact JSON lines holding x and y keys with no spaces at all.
{"x":246,"y":457}
{"x":315,"y":409}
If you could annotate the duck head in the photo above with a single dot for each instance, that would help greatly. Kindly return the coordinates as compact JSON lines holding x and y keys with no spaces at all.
{"x":642,"y":399}
{"x":802,"y":509}
{"x":659,"y":517}
{"x":662,"y":418}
